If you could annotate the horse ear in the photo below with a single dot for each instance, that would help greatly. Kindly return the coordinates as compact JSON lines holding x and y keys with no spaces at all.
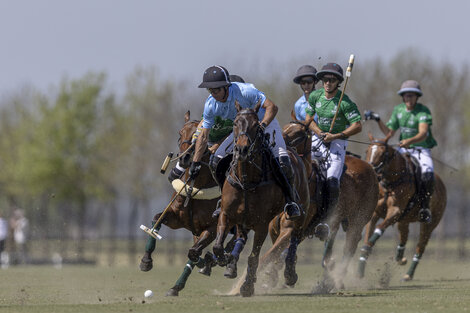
{"x":237,"y":106}
{"x":389,"y":135}
{"x":187,"y":116}
{"x":371,"y":138}
{"x":257,"y":106}
{"x":292,"y":114}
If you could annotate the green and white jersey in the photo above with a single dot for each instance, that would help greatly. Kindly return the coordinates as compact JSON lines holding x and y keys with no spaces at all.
{"x":408,"y":123}
{"x":326,"y":109}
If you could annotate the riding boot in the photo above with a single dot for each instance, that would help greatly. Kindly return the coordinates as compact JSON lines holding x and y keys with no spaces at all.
{"x":426,"y":191}
{"x":322,"y":230}
{"x":291,"y":208}
{"x":176,"y":173}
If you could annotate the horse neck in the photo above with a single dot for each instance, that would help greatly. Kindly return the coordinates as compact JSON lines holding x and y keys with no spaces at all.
{"x":250,"y":171}
{"x":396,"y":168}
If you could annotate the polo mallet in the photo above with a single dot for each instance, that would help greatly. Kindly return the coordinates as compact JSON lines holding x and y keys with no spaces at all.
{"x":151,"y":231}
{"x":348,"y":74}
{"x":169,"y":159}
{"x":166,"y":162}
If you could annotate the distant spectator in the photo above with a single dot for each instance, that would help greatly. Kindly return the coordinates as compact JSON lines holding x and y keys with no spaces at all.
{"x":19,"y":225}
{"x":3,"y":237}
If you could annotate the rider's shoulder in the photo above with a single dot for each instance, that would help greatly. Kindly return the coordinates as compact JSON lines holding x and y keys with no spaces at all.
{"x":422,"y":108}
{"x":316,"y":94}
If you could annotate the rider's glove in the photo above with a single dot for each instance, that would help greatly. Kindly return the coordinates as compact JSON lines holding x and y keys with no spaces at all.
{"x":194,"y":170}
{"x":263,"y":126}
{"x":368,"y":115}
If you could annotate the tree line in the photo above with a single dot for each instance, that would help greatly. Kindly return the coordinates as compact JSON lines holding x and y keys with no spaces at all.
{"x":84,"y":162}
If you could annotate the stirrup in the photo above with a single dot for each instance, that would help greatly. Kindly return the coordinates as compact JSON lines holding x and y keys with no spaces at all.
{"x":292,"y":210}
{"x":425,"y":216}
{"x":322,"y":231}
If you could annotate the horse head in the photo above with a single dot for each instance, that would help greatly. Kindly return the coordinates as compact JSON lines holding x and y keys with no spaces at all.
{"x":297,"y":135}
{"x":247,"y":133}
{"x":379,"y":153}
{"x":184,"y":141}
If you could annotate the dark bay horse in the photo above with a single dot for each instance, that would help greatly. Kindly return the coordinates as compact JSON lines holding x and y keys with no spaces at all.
{"x":398,"y":203}
{"x":357,"y":200}
{"x":250,"y":195}
{"x":195,"y":216}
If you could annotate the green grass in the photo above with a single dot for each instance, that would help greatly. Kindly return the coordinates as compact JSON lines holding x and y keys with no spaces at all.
{"x":438,"y":287}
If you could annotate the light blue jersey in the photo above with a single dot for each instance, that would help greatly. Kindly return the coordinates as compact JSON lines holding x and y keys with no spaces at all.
{"x":245,"y":94}
{"x":299,"y":110}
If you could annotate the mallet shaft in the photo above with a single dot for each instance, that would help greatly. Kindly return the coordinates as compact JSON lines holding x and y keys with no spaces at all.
{"x":348,"y":74}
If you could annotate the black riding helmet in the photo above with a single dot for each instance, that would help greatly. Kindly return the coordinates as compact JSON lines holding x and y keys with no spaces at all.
{"x":214,"y":77}
{"x":236,"y":78}
{"x":305,"y":70}
{"x":331,"y":68}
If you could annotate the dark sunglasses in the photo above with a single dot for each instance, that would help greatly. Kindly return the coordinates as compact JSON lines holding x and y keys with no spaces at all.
{"x":329,"y":80}
{"x":307,"y":80}
{"x":214,"y":90}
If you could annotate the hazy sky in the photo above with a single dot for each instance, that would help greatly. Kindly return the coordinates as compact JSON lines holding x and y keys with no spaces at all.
{"x":44,"y":40}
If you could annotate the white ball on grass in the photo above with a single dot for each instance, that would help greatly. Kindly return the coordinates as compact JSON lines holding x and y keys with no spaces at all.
{"x":148,"y":293}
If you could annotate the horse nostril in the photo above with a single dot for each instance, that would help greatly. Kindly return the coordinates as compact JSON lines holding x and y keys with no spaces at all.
{"x":245,"y":150}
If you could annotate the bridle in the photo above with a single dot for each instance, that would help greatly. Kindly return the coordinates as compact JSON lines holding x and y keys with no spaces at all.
{"x":304,"y":137}
{"x":256,"y":146}
{"x":379,"y":168}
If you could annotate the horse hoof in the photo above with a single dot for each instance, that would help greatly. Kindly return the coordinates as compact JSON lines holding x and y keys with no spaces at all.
{"x":403,"y":261}
{"x":206,"y":270}
{"x":173,"y":292}
{"x":220,"y":255}
{"x":146,"y":264}
{"x":406,"y":278}
{"x":247,"y":290}
{"x":291,"y":279}
{"x":193,"y":255}
{"x":231,"y":271}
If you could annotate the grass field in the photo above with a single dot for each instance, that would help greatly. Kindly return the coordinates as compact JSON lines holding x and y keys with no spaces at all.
{"x":438,"y":287}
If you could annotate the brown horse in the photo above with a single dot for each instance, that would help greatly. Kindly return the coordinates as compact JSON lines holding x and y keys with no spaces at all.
{"x":195,"y":215}
{"x":357,"y":200}
{"x":398,"y":203}
{"x":250,"y":195}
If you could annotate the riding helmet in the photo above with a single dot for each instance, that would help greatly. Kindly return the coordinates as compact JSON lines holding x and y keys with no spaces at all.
{"x":305,"y":70}
{"x":410,"y":86}
{"x":331,"y":68}
{"x":214,"y":77}
{"x":236,"y":78}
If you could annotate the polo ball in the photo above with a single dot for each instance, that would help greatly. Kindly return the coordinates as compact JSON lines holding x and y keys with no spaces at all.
{"x":148,"y":293}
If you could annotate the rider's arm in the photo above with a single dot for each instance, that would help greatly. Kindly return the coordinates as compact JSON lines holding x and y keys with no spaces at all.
{"x":271,"y":111}
{"x":420,"y":136}
{"x":201,"y":144}
{"x":385,"y":130}
{"x":312,"y":125}
{"x":353,"y":129}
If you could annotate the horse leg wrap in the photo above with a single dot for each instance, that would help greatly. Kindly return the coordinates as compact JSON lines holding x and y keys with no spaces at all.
{"x":292,"y":250}
{"x":375,"y":236}
{"x":151,"y":242}
{"x":400,"y":252}
{"x":238,"y":248}
{"x":188,"y":268}
{"x":176,"y":173}
{"x":414,"y":264}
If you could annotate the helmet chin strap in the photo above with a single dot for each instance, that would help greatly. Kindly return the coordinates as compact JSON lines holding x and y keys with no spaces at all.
{"x":225,"y":93}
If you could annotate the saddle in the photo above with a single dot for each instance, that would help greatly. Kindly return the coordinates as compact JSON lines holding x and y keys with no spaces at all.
{"x":412,"y":165}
